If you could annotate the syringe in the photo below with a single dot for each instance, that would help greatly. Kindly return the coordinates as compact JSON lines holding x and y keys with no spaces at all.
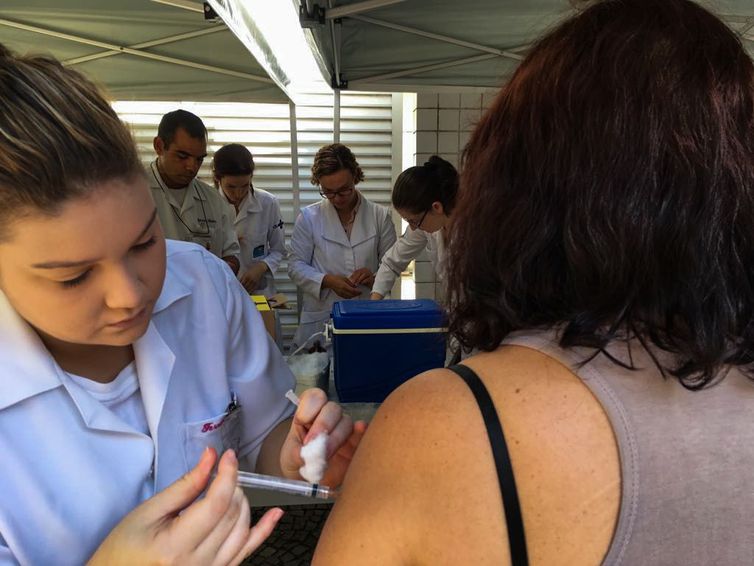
{"x":294,"y":487}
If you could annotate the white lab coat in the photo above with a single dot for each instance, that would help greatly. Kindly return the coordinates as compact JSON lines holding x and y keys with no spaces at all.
{"x":204,"y":212}
{"x":71,"y":469}
{"x":407,"y":248}
{"x":319,"y":246}
{"x":261,"y":234}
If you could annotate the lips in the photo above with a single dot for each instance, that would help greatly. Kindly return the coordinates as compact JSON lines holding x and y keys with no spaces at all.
{"x":126,"y":322}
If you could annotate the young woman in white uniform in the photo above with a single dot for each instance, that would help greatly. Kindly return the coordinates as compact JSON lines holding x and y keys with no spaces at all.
{"x":338,"y":242}
{"x":124,"y":362}
{"x":424,"y":196}
{"x":258,"y":222}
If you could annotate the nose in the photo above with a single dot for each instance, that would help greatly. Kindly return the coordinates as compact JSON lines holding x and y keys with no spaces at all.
{"x":193,"y":165}
{"x":125,"y":290}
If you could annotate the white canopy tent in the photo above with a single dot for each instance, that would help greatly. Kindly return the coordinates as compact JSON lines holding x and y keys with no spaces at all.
{"x":140,"y":49}
{"x":436,"y":45}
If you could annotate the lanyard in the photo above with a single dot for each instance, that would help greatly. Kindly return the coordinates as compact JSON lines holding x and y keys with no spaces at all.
{"x":157,"y":178}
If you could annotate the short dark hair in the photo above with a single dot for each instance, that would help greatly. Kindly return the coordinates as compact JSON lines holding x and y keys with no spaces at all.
{"x":418,"y":187}
{"x":609,"y":191}
{"x":333,"y":158}
{"x":180,"y":118}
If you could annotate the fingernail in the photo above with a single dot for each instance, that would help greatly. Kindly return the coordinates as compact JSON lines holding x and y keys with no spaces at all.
{"x":231,"y":455}
{"x":278,"y":513}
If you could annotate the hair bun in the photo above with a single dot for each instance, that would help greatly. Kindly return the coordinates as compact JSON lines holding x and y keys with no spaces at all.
{"x":436,"y":162}
{"x":441,"y":169}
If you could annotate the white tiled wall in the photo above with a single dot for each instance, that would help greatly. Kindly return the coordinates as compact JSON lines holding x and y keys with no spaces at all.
{"x":443,"y":124}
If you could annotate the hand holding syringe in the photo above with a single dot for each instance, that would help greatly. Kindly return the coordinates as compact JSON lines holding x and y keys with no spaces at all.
{"x":293,"y":487}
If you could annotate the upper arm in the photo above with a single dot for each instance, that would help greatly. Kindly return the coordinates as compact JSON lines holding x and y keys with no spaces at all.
{"x":302,"y":241}
{"x":230,"y":243}
{"x":407,"y":480}
{"x":277,"y":230}
{"x":387,"y":234}
{"x":423,"y":487}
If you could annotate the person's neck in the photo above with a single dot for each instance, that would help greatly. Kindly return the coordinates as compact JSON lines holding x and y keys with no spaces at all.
{"x":96,"y":362}
{"x":166,"y":181}
{"x":345,"y":213}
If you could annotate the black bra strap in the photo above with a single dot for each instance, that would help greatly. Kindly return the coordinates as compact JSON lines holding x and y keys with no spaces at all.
{"x":516,"y":536}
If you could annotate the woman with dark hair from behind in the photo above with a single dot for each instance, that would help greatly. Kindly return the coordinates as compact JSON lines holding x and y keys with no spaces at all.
{"x":601,"y":261}
{"x":424,"y":196}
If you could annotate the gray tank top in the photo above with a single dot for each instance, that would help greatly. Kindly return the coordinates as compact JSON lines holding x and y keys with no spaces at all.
{"x":687,"y":458}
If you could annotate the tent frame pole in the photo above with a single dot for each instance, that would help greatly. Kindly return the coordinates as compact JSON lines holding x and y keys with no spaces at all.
{"x":135,"y":52}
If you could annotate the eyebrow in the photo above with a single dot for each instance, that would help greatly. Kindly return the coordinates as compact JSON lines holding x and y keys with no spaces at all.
{"x":62,"y":264}
{"x":341,"y":188}
{"x":202,"y":156}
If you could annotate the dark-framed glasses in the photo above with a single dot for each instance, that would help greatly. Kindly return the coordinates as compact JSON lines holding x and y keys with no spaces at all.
{"x":414,"y":225}
{"x":329,"y":195}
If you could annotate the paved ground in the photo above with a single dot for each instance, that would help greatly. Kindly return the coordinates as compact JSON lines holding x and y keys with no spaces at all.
{"x":293,"y":541}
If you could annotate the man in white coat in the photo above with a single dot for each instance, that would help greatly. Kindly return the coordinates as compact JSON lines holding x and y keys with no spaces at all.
{"x":338,"y":242}
{"x":189,"y":209}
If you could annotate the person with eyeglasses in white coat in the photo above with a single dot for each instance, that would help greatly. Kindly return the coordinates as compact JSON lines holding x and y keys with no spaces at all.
{"x":338,"y":242}
{"x":424,"y":196}
{"x":258,"y":222}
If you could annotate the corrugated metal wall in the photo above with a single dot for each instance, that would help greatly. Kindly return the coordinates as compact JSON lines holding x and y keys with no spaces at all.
{"x":366,"y":126}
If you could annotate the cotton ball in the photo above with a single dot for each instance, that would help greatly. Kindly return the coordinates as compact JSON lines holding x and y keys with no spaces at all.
{"x":315,"y":461}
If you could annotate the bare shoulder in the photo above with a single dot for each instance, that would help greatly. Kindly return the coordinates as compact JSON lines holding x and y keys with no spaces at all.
{"x":423,"y":486}
{"x":396,"y":492}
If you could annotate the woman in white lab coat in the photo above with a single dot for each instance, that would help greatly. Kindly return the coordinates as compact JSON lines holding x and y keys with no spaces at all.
{"x":338,"y":242}
{"x":424,"y":196}
{"x":126,"y":364}
{"x":258,"y":222}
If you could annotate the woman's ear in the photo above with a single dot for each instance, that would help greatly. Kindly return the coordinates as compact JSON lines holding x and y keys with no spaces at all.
{"x":438,"y":208}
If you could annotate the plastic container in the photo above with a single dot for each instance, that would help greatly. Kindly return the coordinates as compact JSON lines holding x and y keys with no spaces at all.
{"x":377,"y":345}
{"x":310,"y":370}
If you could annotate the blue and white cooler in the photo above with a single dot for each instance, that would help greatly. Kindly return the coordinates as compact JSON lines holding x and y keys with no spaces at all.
{"x":377,"y":345}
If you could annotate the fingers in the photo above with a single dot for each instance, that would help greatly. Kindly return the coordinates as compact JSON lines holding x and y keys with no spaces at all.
{"x":181,"y":493}
{"x":259,"y":533}
{"x":201,"y":518}
{"x":310,"y":404}
{"x":360,"y":276}
{"x":229,"y":538}
{"x":248,"y":281}
{"x":348,"y":448}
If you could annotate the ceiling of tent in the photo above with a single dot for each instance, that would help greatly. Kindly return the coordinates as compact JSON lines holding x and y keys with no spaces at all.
{"x":172,"y":52}
{"x":416,"y":45}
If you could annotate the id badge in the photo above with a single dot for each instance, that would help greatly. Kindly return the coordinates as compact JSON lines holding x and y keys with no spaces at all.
{"x":258,"y":252}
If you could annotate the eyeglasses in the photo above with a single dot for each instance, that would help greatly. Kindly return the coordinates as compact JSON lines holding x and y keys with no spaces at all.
{"x":331,"y":195}
{"x":414,"y":225}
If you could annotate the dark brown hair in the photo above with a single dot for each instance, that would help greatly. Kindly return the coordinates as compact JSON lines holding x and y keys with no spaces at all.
{"x":417,"y":188}
{"x":333,"y":158}
{"x":609,"y":190}
{"x":59,"y":137}
{"x":232,"y":159}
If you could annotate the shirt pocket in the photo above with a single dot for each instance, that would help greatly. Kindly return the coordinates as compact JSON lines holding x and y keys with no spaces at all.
{"x":222,"y":432}
{"x":259,"y":250}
